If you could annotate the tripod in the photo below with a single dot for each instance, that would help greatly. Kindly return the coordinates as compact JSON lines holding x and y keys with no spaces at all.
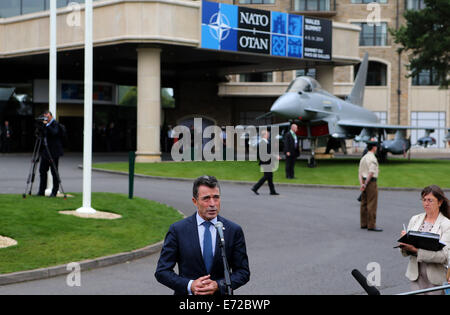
{"x":41,"y":139}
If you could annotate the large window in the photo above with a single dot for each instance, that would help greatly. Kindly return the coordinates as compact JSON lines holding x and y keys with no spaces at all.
{"x":368,"y":1}
{"x":64,"y":3}
{"x":30,"y":6}
{"x":432,"y":120}
{"x":256,"y":1}
{"x":415,"y":4}
{"x":426,"y":77}
{"x":373,"y":34}
{"x":60,"y":3}
{"x":382,"y":116}
{"x":9,"y":8}
{"x":310,"y":72}
{"x":127,"y":95}
{"x":312,"y":5}
{"x":256,"y":77}
{"x":376,"y":73}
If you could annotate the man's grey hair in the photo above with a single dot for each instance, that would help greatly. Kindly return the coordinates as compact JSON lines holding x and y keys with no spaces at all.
{"x":205,"y":180}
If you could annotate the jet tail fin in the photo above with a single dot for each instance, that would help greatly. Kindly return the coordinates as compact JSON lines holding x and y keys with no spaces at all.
{"x":357,"y":94}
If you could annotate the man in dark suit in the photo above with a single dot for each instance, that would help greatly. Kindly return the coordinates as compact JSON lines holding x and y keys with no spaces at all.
{"x":50,"y":159}
{"x":267,"y":166}
{"x":193,"y":244}
{"x":291,"y":150}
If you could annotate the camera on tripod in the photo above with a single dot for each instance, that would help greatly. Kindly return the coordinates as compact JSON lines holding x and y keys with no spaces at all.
{"x":39,"y":125}
{"x":41,"y":140}
{"x":41,"y":118}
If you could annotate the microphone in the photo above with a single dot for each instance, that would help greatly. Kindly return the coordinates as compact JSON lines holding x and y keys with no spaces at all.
{"x":363,"y":282}
{"x":219,"y":227}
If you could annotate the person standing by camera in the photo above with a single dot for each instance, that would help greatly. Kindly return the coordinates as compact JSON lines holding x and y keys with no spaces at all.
{"x":50,"y":158}
{"x":6,"y":134}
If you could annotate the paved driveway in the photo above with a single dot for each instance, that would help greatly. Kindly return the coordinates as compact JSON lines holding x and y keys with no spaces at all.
{"x":305,"y":241}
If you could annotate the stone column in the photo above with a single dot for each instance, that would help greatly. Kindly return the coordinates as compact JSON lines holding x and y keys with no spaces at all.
{"x":148,"y":105}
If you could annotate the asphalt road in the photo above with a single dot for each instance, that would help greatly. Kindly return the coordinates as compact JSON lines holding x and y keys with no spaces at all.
{"x":305,"y":241}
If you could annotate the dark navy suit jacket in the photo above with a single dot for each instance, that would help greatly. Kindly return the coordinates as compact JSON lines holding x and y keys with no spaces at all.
{"x":51,"y":132}
{"x":289,"y":144}
{"x":182,"y":247}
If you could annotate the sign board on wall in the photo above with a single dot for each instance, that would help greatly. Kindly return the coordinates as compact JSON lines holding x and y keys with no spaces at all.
{"x":233,"y":28}
{"x":317,"y":38}
{"x":73,"y":92}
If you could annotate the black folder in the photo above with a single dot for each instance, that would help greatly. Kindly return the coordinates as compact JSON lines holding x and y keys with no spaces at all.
{"x":423,"y":240}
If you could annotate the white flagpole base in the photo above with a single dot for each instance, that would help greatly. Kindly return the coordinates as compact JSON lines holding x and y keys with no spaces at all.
{"x":48,"y":190}
{"x":86,"y":210}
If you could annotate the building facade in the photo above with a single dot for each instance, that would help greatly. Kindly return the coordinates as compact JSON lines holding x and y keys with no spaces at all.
{"x":395,"y":98}
{"x":150,"y":71}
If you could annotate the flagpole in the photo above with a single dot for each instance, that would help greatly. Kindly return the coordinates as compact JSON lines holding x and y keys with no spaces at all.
{"x":88,"y":82}
{"x":53,"y":58}
{"x":52,"y":82}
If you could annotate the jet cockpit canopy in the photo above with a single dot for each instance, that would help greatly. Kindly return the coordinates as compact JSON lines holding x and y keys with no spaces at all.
{"x":304,"y":84}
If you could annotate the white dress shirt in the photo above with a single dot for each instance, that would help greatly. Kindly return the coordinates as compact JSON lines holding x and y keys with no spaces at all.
{"x":201,"y":231}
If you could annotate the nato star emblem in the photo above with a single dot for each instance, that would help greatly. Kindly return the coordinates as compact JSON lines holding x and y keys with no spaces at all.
{"x":219,"y":26}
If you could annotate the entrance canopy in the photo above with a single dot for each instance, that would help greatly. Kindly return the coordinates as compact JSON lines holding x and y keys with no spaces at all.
{"x":118,"y":64}
{"x":154,"y":44}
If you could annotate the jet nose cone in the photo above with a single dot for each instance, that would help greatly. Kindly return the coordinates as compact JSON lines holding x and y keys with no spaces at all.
{"x":385,"y":145}
{"x":287,"y":105}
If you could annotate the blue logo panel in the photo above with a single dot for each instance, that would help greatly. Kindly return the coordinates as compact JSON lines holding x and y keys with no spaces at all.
{"x":208,"y":10}
{"x":279,"y":22}
{"x":295,"y":47}
{"x":218,"y":23}
{"x":231,"y":12}
{"x":279,"y":45}
{"x":230,"y":42}
{"x":208,"y":40}
{"x":295,"y":25}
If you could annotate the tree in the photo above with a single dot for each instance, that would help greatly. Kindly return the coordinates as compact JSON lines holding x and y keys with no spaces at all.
{"x":129,"y":97}
{"x":426,"y":37}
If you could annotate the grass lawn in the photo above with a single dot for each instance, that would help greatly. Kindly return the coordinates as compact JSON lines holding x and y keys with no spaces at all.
{"x":416,"y":173}
{"x":47,"y":238}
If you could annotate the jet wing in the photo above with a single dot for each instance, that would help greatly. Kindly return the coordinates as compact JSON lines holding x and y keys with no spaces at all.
{"x":388,"y":128}
{"x":266,"y":115}
{"x":313,"y":110}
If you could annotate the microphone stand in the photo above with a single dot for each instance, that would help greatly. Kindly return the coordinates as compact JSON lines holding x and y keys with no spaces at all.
{"x":373,"y":291}
{"x":229,"y":290}
{"x":443,"y":287}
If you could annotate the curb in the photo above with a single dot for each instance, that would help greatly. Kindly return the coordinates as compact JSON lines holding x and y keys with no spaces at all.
{"x":45,"y":273}
{"x":182,"y":179}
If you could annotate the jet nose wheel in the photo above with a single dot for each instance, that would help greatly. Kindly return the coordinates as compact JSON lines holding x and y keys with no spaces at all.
{"x":382,"y":155}
{"x":312,"y":162}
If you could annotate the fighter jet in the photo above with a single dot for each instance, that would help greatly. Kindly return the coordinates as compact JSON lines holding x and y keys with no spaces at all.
{"x":320,"y":114}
